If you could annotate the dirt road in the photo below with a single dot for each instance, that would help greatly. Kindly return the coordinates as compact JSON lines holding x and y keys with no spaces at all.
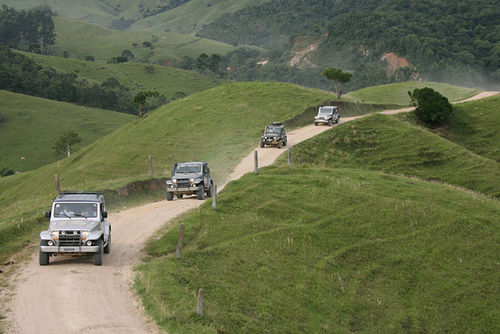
{"x":71,"y":295}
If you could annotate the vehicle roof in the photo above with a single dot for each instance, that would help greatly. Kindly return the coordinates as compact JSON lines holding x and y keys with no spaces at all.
{"x":328,"y":107}
{"x":192,"y":162}
{"x":79,"y":197}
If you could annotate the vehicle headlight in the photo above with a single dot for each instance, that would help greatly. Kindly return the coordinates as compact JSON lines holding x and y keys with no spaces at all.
{"x":191,"y":180}
{"x":85,"y":234}
{"x":50,"y":243}
{"x":55,"y":235}
{"x":89,"y":243}
{"x":174,"y":180}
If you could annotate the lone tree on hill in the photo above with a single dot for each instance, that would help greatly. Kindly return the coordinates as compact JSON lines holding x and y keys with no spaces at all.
{"x":432,"y":107}
{"x":140,"y":98}
{"x":338,"y":77}
{"x":65,"y":141}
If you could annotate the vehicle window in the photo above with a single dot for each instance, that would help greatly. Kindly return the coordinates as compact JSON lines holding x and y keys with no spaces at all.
{"x":188,"y":168}
{"x":325,"y":110}
{"x":275,"y":131}
{"x":70,"y":210}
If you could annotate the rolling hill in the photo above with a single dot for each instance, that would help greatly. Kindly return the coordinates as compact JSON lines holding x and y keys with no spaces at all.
{"x":31,"y":126}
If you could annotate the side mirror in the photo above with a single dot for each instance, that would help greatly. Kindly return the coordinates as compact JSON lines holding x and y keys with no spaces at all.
{"x":47,"y":214}
{"x":173,"y":169}
{"x":105,"y":214}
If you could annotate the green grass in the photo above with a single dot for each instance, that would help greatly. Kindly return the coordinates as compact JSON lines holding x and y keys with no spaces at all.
{"x":135,"y":76}
{"x":381,"y":142}
{"x":397,"y":93}
{"x":476,"y":125}
{"x":220,"y":125}
{"x":31,"y":126}
{"x":193,"y":15}
{"x":311,"y":250}
{"x":80,"y":39}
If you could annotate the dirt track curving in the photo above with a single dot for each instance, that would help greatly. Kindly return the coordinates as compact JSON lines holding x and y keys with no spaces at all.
{"x":71,"y":295}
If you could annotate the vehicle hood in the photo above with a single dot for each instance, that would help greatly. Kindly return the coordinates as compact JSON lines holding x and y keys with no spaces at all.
{"x":187,"y":176}
{"x":74,"y":224}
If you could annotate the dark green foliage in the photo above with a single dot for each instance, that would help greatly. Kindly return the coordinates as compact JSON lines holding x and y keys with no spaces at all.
{"x":20,"y":74}
{"x":432,"y":107}
{"x":89,"y":58}
{"x":65,"y":141}
{"x":141,"y":97}
{"x":29,"y":30}
{"x":161,"y":8}
{"x":6,"y":172}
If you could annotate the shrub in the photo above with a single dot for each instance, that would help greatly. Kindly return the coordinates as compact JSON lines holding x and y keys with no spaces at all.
{"x":432,"y":107}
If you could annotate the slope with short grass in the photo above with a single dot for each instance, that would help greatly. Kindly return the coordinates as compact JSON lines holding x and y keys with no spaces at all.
{"x":381,"y":142}
{"x":168,"y":81}
{"x":30,"y":127}
{"x":476,"y":125}
{"x":80,"y":39}
{"x":311,"y":250}
{"x":397,"y":93}
{"x":220,"y":125}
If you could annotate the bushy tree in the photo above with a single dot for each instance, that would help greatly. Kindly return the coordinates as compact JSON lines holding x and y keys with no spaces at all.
{"x":140,"y":98}
{"x":338,"y":77}
{"x":65,"y":141}
{"x":432,"y":107}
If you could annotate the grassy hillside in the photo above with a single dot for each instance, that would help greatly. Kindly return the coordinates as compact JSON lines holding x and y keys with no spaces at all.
{"x":476,"y":125}
{"x":398,"y":92}
{"x":311,"y":250}
{"x":220,"y":125}
{"x":80,"y":39}
{"x":166,"y":80}
{"x":30,"y":127}
{"x":381,"y":142}
{"x":192,"y":16}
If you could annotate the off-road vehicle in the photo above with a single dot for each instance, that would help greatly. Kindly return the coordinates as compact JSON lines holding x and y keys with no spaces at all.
{"x":274,"y":134}
{"x":327,"y":115}
{"x":190,"y":178}
{"x":77,"y":226}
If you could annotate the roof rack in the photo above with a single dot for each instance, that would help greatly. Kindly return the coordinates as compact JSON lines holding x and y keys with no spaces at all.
{"x":84,"y":192}
{"x":276,"y":123}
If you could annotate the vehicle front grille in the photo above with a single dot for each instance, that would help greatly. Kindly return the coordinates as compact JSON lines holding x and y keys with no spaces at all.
{"x":183,"y":183}
{"x":69,"y":238}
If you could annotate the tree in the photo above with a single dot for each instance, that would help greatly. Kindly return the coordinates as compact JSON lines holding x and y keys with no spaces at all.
{"x":338,"y":77}
{"x":65,"y":141}
{"x":432,"y":107}
{"x":140,"y":98}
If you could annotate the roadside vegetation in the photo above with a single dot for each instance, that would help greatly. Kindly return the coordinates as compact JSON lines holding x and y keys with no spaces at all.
{"x":31,"y":126}
{"x":219,"y":125}
{"x":312,"y":249}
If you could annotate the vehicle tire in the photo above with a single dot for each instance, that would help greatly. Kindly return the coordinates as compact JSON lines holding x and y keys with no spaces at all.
{"x":261,"y":144}
{"x":279,"y":144}
{"x":44,"y":257}
{"x":284,"y":143}
{"x":170,"y":196}
{"x":209,"y":191}
{"x":107,"y":248}
{"x":337,"y":120}
{"x":179,"y":195}
{"x":98,"y":254}
{"x":330,"y":122}
{"x":201,"y":192}
{"x":315,"y":123}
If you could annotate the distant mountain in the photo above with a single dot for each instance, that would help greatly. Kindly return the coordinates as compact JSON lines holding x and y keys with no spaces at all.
{"x":440,"y":38}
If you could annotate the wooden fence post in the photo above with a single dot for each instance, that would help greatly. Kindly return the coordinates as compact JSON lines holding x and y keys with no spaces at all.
{"x":58,"y":188}
{"x":256,"y":160}
{"x":179,"y":243}
{"x":214,"y":197}
{"x":150,"y":160}
{"x":199,"y":307}
{"x":289,"y":156}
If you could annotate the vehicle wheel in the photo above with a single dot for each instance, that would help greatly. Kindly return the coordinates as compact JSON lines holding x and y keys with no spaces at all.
{"x":170,"y":196}
{"x":315,"y":123}
{"x":44,"y":257}
{"x":337,"y":121}
{"x":279,"y":144}
{"x":179,"y":195}
{"x":209,"y":191}
{"x":330,"y":123}
{"x":107,"y":248}
{"x":201,"y":192}
{"x":284,"y":143}
{"x":261,"y":144}
{"x":98,"y":254}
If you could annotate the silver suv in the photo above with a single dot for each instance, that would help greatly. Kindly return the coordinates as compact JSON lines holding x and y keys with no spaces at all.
{"x":190,"y":178}
{"x":327,"y":115}
{"x":77,"y":226}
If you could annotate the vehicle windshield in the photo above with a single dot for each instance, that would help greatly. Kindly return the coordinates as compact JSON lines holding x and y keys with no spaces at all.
{"x":70,"y":210}
{"x":188,"y":169}
{"x":273,"y":131}
{"x":325,"y":110}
